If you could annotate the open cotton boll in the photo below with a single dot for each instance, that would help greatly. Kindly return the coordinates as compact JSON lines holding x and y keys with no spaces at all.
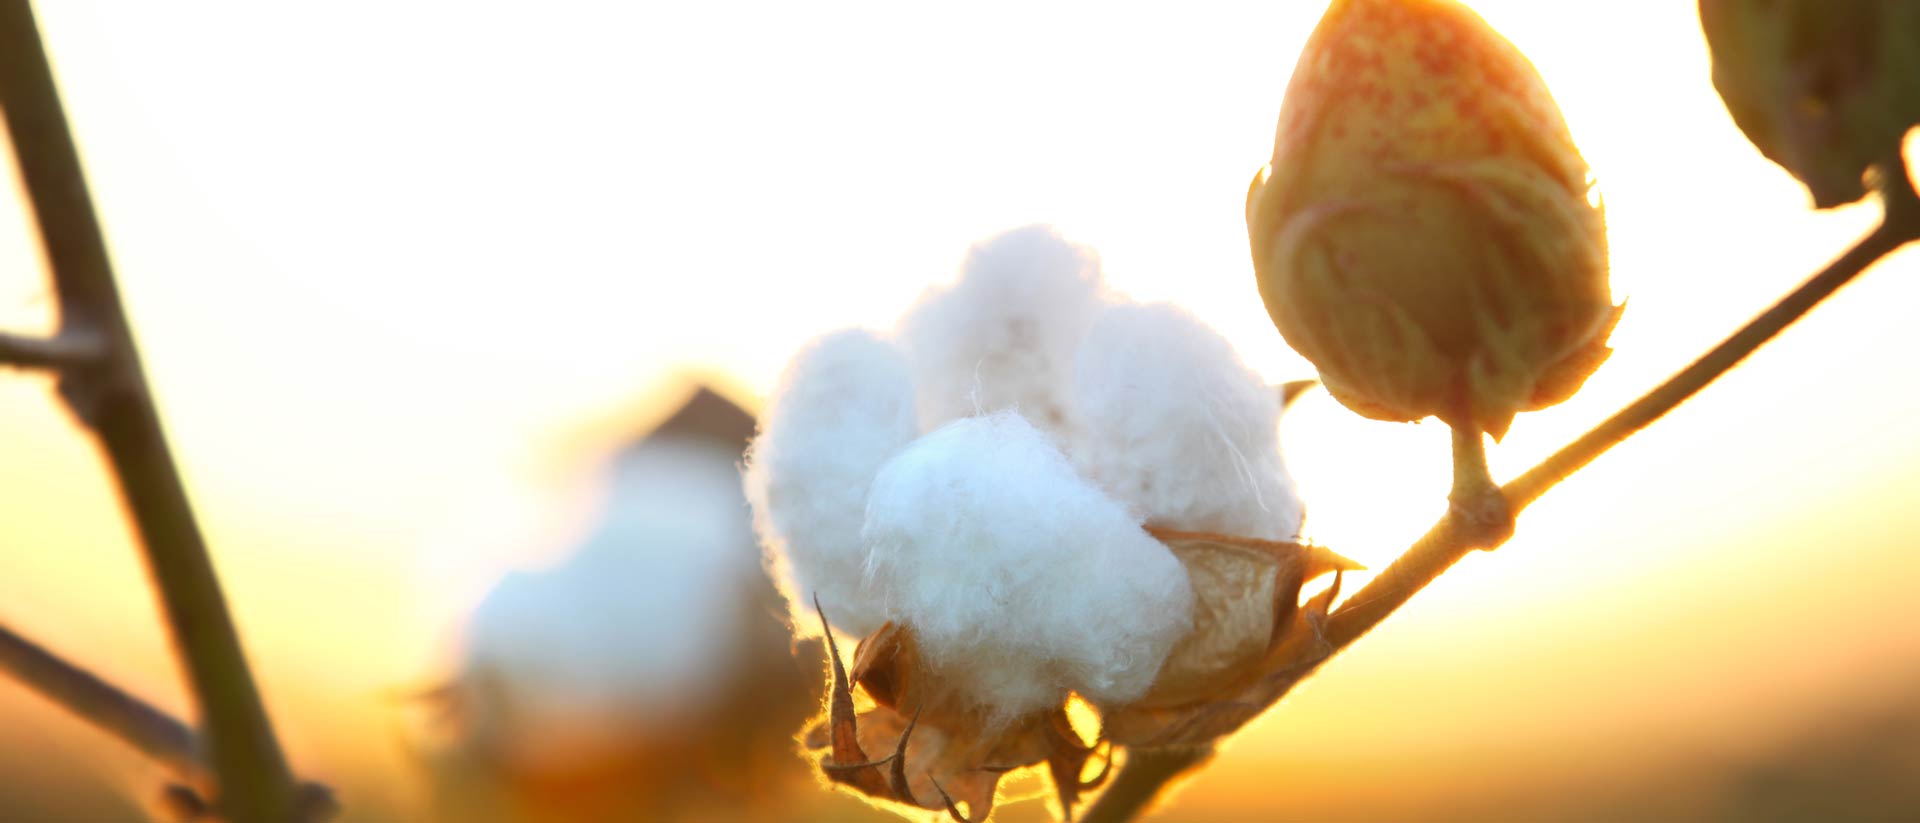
{"x":1003,"y":337}
{"x":626,"y":636}
{"x":843,"y":406}
{"x":1174,"y":425}
{"x":1019,"y":578}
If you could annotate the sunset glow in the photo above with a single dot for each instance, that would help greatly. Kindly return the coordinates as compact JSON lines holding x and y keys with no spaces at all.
{"x":400,"y":270}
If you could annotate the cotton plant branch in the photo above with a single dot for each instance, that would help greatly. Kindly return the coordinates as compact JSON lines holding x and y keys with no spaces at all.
{"x":163,"y":739}
{"x":1142,"y":777}
{"x":1145,"y":774}
{"x":101,"y":380}
{"x":1441,"y":547}
{"x":67,"y":351}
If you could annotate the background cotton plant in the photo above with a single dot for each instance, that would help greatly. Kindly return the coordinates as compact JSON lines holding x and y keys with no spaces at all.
{"x":1009,"y":555}
{"x":640,"y":675}
{"x":626,"y":631}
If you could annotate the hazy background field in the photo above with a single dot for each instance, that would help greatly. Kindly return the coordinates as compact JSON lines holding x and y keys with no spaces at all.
{"x":404,"y":271}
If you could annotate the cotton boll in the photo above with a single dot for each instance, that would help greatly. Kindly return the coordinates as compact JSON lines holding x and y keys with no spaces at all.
{"x":627,"y":635}
{"x":1020,"y":579}
{"x":1174,"y":425}
{"x":843,"y":406}
{"x":1003,"y":337}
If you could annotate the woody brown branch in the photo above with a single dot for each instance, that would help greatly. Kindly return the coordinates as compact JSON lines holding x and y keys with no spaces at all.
{"x":111,"y":398}
{"x":154,"y":733}
{"x":1442,"y":546}
{"x":71,"y":350}
{"x":1450,"y":540}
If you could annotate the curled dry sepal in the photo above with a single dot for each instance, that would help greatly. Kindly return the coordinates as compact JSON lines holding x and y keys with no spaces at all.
{"x":1251,"y":640}
{"x":957,"y":757}
{"x":1826,"y":89}
{"x":1033,"y":491}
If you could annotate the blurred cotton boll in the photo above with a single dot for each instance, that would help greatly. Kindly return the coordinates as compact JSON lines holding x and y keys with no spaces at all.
{"x":1176,"y":426}
{"x":624,"y":678}
{"x":844,"y":405}
{"x":634,"y":622}
{"x":1003,"y":337}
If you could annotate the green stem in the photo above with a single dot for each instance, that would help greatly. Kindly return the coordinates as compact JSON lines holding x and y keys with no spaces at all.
{"x":1444,"y":544}
{"x":1140,"y":782}
{"x":1476,"y":501}
{"x":111,"y":397}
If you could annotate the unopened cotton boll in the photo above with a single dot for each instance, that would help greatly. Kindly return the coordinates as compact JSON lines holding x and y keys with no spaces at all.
{"x":843,"y":406}
{"x":1021,"y":579}
{"x":1174,"y":425}
{"x":1003,"y":337}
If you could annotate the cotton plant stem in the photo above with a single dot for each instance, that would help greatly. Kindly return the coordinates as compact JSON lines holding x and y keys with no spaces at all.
{"x":1476,"y":501}
{"x":1442,"y":546}
{"x":111,"y":398}
{"x":1451,"y":539}
{"x":159,"y":736}
{"x":152,"y":732}
{"x":68,"y":351}
{"x":1141,"y":779}
{"x":1900,"y":227}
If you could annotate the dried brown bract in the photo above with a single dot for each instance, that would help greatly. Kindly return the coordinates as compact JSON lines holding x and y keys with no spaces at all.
{"x":922,"y":745}
{"x":940,"y":752}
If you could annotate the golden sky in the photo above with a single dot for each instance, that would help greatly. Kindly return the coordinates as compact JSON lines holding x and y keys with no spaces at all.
{"x":396,"y":265}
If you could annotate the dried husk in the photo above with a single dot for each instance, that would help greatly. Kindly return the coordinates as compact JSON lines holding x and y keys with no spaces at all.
{"x":1251,"y":639}
{"x":923,"y":746}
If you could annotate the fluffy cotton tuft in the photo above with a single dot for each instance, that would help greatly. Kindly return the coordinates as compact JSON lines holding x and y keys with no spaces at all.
{"x":1174,"y":425}
{"x":1020,"y":579}
{"x":841,"y":409}
{"x":627,"y":635}
{"x":1003,"y":337}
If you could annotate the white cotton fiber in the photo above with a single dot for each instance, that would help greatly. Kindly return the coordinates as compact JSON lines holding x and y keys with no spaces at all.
{"x":843,"y":406}
{"x":1175,"y":426}
{"x":626,"y":636}
{"x":1020,"y":579}
{"x":1003,"y":337}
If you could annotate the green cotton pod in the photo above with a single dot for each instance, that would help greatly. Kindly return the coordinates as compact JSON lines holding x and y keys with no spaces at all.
{"x":1825,"y":88}
{"x":1424,"y":233}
